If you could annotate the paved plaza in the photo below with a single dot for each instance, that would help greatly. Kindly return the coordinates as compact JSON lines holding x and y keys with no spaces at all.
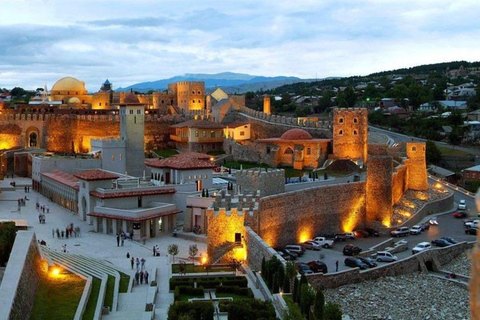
{"x":96,"y":245}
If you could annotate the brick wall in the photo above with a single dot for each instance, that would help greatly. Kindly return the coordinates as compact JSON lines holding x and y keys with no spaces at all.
{"x":297,"y":216}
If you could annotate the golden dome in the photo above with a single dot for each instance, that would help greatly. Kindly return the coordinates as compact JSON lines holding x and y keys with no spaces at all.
{"x":69,"y":84}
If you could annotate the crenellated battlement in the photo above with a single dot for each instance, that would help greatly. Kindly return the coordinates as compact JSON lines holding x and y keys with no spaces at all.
{"x":260,"y":182}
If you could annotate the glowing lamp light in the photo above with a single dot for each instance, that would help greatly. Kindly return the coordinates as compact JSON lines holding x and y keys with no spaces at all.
{"x":55,"y":272}
{"x":204,"y":260}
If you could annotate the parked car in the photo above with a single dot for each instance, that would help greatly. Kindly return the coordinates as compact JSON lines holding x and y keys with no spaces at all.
{"x":471,"y":231}
{"x":340,"y":237}
{"x":433,"y":221}
{"x":350,"y":235}
{"x":425,"y":226}
{"x":298,"y":249}
{"x":451,"y":240}
{"x":351,"y":250}
{"x":372,"y":232}
{"x":303,"y":268}
{"x":312,"y":245}
{"x":462,"y":205}
{"x":285,"y":256}
{"x":400,"y":232}
{"x":472,"y":224}
{"x":292,"y":255}
{"x":441,"y":243}
{"x":324,"y":242}
{"x":422,"y":246}
{"x":416,"y":229}
{"x":368,"y":261}
{"x":318,"y":266}
{"x":385,"y":256}
{"x":460,"y":214}
{"x":361,"y":233}
{"x":355,"y":263}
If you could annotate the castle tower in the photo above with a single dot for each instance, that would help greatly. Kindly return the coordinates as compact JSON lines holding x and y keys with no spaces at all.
{"x":417,"y":166}
{"x":350,"y":133}
{"x":266,"y":105}
{"x":132,"y":128}
{"x":190,"y":95}
{"x":379,"y":186}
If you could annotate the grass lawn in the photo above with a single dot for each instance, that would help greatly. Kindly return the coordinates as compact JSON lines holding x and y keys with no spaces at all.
{"x":189,"y":268}
{"x":92,"y":300}
{"x":165,"y":153}
{"x":57,"y":297}
{"x":124,"y":281}
{"x":233,"y":295}
{"x":289,"y":301}
{"x":453,"y":152}
{"x":108,"y":302}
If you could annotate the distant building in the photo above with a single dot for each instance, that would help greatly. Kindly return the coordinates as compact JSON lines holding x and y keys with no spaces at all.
{"x":198,"y":135}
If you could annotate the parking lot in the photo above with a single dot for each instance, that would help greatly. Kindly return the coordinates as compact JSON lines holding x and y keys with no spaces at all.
{"x":448,"y":226}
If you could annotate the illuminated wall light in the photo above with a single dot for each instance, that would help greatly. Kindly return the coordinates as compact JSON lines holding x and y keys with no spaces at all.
{"x":305,"y":235}
{"x":204,"y":260}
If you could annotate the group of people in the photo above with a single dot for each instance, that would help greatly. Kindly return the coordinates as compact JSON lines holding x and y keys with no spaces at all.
{"x":141,"y":276}
{"x":121,"y":236}
{"x":41,"y":218}
{"x":140,"y":263}
{"x":156,"y":251}
{"x":70,"y":231}
{"x":43,"y":208}
{"x":27,"y":189}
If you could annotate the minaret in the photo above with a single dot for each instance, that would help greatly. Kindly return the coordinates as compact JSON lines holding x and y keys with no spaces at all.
{"x":45,"y":94}
{"x":266,"y":105}
{"x":132,"y":130}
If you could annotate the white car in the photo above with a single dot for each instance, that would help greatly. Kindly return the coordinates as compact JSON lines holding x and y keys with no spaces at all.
{"x":472,"y":224}
{"x":416,"y":229}
{"x":384,"y":256}
{"x":462,"y":205}
{"x":324,"y":242}
{"x":422,"y":246}
{"x":312,"y":245}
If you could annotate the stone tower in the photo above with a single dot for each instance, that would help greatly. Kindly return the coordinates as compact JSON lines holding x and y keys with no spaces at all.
{"x":190,"y":95}
{"x":417,"y":166}
{"x":350,"y":133}
{"x":266,"y":105}
{"x":132,"y":128}
{"x":379,"y":185}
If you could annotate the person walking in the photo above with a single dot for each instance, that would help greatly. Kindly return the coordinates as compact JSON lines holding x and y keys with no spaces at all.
{"x":154,"y":251}
{"x":132,"y":262}
{"x":143,"y":263}
{"x":141,"y":277}
{"x":336,"y":266}
{"x":137,"y":277}
{"x":137,"y":261}
{"x":145,"y":275}
{"x":118,"y":240}
{"x":123,"y":238}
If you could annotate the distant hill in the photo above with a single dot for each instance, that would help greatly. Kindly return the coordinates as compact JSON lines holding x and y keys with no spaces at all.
{"x":228,"y":81}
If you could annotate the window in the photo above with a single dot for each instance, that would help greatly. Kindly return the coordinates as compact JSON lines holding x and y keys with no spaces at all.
{"x":204,"y":133}
{"x":193,"y":91}
{"x":199,"y":92}
{"x":212,"y":134}
{"x":138,"y":111}
{"x":355,"y":132}
{"x":340,"y":133}
{"x":83,"y":185}
{"x":242,"y":133}
{"x":340,"y":120}
{"x":100,"y":104}
{"x":196,"y":133}
{"x":268,"y":150}
{"x":193,"y":101}
{"x":355,"y":120}
{"x":131,"y":111}
{"x":414,"y":149}
{"x":309,"y":151}
{"x":106,"y":104}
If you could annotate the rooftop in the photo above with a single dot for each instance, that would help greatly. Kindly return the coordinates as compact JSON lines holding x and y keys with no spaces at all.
{"x":202,"y":124}
{"x":130,"y":193}
{"x":63,"y":178}
{"x":95,"y":174}
{"x":183,"y":161}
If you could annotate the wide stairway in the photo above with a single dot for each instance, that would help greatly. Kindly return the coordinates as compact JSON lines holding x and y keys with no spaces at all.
{"x":128,"y":305}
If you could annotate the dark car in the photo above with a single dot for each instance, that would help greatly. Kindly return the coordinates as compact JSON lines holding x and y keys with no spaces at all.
{"x":285,"y":256}
{"x":471,"y":231}
{"x":351,"y":250}
{"x":318,"y":266}
{"x":355,"y":263}
{"x":451,"y":240}
{"x":340,"y":237}
{"x":425,"y":226}
{"x":372,"y":232}
{"x":369,"y":262}
{"x":460,"y":214}
{"x":303,"y":268}
{"x":441,"y":243}
{"x":361,"y":233}
{"x":293,"y":255}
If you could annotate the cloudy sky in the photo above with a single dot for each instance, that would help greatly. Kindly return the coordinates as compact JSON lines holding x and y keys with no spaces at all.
{"x":145,"y":40}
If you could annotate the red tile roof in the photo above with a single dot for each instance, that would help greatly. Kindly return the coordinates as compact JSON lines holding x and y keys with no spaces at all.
{"x":236,"y":124}
{"x":130,"y":193}
{"x":63,"y":177}
{"x":203,"y":124}
{"x":136,"y":219}
{"x":95,"y":174}
{"x":183,"y":161}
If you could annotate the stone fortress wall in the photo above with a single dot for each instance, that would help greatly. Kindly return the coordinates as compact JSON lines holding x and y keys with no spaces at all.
{"x":260,"y":182}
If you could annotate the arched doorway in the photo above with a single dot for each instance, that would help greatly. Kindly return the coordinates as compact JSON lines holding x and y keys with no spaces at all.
{"x":32,"y":140}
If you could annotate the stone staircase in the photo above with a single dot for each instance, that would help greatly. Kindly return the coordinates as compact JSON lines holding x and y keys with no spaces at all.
{"x":88,"y":268}
{"x":224,"y":250}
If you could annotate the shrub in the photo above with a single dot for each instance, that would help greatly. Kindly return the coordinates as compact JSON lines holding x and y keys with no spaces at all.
{"x":187,"y":290}
{"x":192,"y":310}
{"x":174,"y":282}
{"x":149,"y":307}
{"x":332,"y":311}
{"x":153,"y":284}
{"x":247,"y":292}
{"x":239,"y":281}
{"x":208,"y":284}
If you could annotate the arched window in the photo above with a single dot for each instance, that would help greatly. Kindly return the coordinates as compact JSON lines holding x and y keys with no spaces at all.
{"x":340,"y":133}
{"x":288,"y":151}
{"x":340,"y":120}
{"x":355,"y":132}
{"x":355,"y":120}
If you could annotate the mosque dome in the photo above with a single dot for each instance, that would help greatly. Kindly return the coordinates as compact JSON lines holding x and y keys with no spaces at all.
{"x":69,"y":84}
{"x":296,"y":134}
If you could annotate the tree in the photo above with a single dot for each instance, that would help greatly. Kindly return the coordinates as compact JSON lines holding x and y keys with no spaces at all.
{"x":290,"y":272}
{"x":295,"y":290}
{"x":307,"y":298}
{"x":192,"y":251}
{"x":17,"y":92}
{"x":319,"y":305}
{"x":432,"y":153}
{"x":173,"y":250}
{"x":332,"y":312}
{"x":350,"y":97}
{"x":303,"y":280}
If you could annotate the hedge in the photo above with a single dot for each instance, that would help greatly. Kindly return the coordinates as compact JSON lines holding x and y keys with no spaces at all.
{"x":187,"y":290}
{"x":174,"y":282}
{"x":239,"y":281}
{"x":190,"y":310}
{"x":247,"y":292}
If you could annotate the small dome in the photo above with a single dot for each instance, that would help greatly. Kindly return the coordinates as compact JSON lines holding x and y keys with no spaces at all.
{"x":296,"y":134}
{"x":69,"y":84}
{"x":73,"y":100}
